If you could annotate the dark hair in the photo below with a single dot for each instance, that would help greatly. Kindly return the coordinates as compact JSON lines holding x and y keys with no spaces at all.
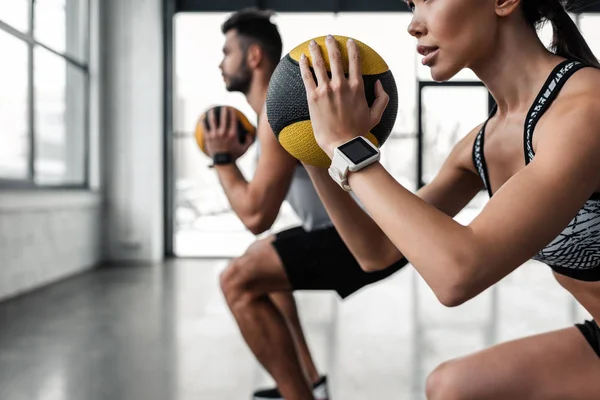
{"x":256,"y":27}
{"x":568,"y":41}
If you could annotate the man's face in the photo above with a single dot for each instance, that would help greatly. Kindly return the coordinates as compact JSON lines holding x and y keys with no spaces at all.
{"x":234,"y":67}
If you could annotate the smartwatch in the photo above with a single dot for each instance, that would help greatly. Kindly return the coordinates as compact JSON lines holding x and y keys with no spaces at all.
{"x":222,"y":159}
{"x":352,"y":156}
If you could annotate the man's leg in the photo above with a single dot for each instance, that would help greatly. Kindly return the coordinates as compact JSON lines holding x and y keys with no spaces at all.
{"x":286,"y":304}
{"x":248,"y":284}
{"x":316,"y":260}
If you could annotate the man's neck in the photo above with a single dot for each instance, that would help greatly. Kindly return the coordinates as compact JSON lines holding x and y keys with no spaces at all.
{"x":257,"y":94}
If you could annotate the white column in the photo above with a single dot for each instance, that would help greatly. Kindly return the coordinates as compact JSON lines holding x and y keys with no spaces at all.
{"x":133,"y":129}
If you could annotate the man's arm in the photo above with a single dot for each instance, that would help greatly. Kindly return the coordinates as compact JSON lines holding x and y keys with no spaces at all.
{"x":257,"y":202}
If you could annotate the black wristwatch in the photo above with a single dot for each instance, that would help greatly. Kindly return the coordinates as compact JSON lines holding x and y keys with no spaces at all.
{"x":222,"y":159}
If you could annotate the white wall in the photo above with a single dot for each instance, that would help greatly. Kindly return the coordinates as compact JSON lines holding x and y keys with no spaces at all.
{"x":45,"y":237}
{"x":133,"y":129}
{"x":48,"y":235}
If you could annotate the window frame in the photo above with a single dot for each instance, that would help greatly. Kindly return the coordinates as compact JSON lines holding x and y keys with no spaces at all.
{"x":29,"y":183}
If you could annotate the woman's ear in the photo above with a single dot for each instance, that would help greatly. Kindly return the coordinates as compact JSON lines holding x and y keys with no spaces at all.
{"x":504,"y":8}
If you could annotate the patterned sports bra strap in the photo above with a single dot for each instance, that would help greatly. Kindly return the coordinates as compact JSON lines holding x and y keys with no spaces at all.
{"x":556,"y":80}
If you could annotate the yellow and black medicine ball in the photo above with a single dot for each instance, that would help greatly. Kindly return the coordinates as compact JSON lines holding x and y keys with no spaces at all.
{"x":244,"y":127}
{"x":287,"y":106}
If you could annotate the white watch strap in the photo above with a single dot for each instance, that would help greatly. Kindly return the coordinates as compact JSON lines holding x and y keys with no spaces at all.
{"x":343,"y":182}
{"x":339,"y":170}
{"x":341,"y":165}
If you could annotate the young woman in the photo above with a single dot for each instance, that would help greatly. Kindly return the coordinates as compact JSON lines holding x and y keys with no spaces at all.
{"x":538,"y":156}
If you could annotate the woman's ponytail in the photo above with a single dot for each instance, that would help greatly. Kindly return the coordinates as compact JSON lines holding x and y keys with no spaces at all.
{"x":568,"y":41}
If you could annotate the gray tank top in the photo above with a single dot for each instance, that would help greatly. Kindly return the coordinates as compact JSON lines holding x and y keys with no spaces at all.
{"x":304,"y":200}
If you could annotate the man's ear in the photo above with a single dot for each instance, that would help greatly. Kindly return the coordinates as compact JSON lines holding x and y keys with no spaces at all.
{"x":254,"y":55}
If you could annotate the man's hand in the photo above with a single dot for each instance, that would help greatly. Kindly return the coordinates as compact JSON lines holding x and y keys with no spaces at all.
{"x":222,"y":136}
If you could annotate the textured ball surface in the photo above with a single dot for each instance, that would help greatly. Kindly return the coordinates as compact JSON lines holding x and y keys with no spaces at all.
{"x":244,"y":127}
{"x":287,"y":107}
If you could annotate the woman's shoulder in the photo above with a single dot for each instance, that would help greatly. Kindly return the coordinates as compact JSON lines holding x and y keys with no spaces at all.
{"x":576,"y":110}
{"x":583,"y":86}
{"x":579,"y":98}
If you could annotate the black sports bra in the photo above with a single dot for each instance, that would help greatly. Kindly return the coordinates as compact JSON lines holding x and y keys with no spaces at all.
{"x":575,"y":252}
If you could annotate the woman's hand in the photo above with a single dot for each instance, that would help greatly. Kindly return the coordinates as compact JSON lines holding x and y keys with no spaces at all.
{"x":338,"y":106}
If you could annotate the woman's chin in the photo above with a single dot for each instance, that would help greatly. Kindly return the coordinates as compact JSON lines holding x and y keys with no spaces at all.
{"x":440,"y":73}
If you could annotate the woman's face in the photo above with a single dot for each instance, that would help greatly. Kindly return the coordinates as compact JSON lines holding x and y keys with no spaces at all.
{"x":452,"y":34}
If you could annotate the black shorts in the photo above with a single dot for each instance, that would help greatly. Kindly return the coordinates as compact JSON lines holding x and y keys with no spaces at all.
{"x":591,"y":332}
{"x":320,"y":260}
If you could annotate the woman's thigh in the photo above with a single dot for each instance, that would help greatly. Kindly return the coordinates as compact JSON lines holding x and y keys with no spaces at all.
{"x":556,"y":365}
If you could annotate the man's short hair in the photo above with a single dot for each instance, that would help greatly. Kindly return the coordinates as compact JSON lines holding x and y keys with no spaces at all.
{"x":256,"y":27}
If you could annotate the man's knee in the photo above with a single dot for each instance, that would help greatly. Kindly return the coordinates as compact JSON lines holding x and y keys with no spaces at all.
{"x":448,"y":382}
{"x":238,"y":279}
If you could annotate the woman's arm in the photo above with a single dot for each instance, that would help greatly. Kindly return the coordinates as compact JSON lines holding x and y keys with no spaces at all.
{"x":530,"y":210}
{"x":450,"y":191}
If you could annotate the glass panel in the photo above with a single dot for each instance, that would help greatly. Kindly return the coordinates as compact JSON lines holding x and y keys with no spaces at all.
{"x":50,"y":23}
{"x":386,"y":34}
{"x":449,"y":114}
{"x":14,"y":110}
{"x":546,"y":34}
{"x":399,"y":157}
{"x":15,"y":13}
{"x":59,"y":120}
{"x":62,"y":25}
{"x":590,"y":28}
{"x":205,"y":224}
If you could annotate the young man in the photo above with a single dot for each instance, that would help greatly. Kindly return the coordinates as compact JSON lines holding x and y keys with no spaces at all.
{"x":258,"y":286}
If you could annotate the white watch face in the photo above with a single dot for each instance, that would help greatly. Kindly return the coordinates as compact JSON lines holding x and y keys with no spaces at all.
{"x":357,"y":150}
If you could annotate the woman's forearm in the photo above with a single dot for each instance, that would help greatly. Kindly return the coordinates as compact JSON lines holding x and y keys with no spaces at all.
{"x":365,"y":239}
{"x":439,"y":248}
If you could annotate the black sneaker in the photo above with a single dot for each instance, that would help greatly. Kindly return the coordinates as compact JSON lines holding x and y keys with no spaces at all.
{"x":320,"y":392}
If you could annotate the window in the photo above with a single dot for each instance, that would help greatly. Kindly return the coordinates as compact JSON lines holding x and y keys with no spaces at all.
{"x":591,"y":31}
{"x":43,"y":96}
{"x":62,"y":25}
{"x":14,"y":109}
{"x":205,"y":225}
{"x":16,"y":14}
{"x":59,"y":120}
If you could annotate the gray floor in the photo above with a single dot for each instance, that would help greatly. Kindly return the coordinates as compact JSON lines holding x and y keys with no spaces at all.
{"x":163,"y":332}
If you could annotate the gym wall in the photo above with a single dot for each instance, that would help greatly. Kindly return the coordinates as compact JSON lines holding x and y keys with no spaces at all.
{"x":47,"y":235}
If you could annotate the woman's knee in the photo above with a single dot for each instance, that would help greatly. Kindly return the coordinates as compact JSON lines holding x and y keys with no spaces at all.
{"x":448,"y":382}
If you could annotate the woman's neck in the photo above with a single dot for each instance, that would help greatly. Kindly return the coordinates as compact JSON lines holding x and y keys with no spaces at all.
{"x":516,"y":70}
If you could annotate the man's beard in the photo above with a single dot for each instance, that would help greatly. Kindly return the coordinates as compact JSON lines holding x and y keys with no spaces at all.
{"x":241,"y":81}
